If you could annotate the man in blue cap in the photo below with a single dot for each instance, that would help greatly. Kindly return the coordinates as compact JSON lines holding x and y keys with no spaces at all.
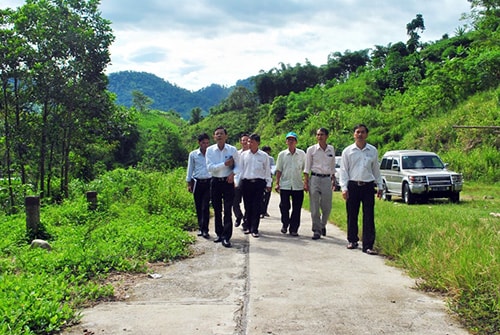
{"x":289,"y":184}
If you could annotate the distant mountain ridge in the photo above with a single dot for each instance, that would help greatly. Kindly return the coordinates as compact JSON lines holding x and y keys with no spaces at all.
{"x":165,"y":95}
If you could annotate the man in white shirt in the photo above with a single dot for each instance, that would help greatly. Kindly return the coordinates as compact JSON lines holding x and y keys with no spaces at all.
{"x":319,"y":176}
{"x":255,"y":178}
{"x":290,"y":185}
{"x":198,"y":182}
{"x":220,"y":163}
{"x":359,"y":174}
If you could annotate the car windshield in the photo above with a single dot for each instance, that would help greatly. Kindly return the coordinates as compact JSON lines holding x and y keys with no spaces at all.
{"x":422,"y":162}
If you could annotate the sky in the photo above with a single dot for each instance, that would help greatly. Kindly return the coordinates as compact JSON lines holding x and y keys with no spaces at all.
{"x":196,"y":43}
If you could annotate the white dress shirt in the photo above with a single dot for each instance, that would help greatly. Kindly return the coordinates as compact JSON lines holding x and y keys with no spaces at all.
{"x":216,"y":158}
{"x":360,"y":165}
{"x":319,"y":160}
{"x":254,"y":166}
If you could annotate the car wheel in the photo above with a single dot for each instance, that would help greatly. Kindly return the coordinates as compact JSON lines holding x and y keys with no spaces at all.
{"x":408,"y":197}
{"x":455,"y":198}
{"x":385,"y":193}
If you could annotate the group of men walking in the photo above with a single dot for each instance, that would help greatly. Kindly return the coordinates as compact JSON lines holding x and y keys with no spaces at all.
{"x":223,"y":175}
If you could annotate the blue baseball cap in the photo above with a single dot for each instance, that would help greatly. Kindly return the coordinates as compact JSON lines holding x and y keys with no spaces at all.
{"x":292,"y":134}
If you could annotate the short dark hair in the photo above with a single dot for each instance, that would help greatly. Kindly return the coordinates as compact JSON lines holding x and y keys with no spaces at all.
{"x":359,"y":125}
{"x":221,"y":127}
{"x":255,"y":137}
{"x":266,"y":148}
{"x":203,"y":136}
{"x":324,"y":130}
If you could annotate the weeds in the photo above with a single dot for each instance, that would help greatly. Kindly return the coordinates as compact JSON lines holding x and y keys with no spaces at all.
{"x":140,"y":218}
{"x":450,"y":248}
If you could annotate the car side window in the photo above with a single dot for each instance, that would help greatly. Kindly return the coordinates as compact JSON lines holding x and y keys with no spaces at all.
{"x":383,"y":164}
{"x":395,"y":164}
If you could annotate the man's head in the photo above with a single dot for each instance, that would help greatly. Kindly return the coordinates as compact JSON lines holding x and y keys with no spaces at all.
{"x":220,"y":135}
{"x":360,"y":134}
{"x":244,"y":141}
{"x":203,"y":141}
{"x":254,"y":142}
{"x":321,"y":135}
{"x":291,"y":140}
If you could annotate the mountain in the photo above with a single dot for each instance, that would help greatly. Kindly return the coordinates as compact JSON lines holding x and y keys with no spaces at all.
{"x":165,"y":95}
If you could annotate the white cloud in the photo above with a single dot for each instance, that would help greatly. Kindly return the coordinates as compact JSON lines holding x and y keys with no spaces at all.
{"x":199,"y":42}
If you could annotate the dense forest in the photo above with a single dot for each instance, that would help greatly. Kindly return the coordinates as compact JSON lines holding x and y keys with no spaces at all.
{"x":61,"y":121}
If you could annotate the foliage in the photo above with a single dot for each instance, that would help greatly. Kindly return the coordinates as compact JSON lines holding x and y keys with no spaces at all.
{"x":449,"y":248}
{"x":164,"y":95}
{"x":141,"y":217}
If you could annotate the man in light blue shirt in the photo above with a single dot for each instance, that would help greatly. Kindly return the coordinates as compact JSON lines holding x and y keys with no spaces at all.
{"x":221,"y":159}
{"x":198,"y":182}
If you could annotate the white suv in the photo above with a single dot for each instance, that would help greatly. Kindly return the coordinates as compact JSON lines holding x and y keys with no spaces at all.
{"x":418,"y":175}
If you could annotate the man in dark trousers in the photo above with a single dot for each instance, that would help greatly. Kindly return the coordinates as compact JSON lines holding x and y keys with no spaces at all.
{"x":290,"y":184}
{"x":359,"y":174}
{"x":198,"y":182}
{"x":255,"y":178}
{"x":221,"y":159}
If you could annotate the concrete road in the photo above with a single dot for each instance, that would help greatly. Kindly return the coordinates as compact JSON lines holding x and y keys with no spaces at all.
{"x":275,"y":284}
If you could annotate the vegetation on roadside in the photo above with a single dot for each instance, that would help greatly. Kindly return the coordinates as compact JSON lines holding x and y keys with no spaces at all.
{"x":448,"y":248}
{"x":141,"y":217}
{"x":61,"y":133}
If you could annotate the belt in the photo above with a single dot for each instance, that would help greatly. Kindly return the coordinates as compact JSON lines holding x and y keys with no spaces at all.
{"x":320,"y":175}
{"x":360,"y":183}
{"x":207,"y":180}
{"x":220,"y":179}
{"x":253,"y":180}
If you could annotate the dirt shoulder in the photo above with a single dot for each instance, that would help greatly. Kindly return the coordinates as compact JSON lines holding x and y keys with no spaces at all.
{"x":275,"y":284}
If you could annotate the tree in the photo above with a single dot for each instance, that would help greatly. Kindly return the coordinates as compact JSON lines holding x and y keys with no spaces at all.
{"x":196,"y":115}
{"x":412,"y":28}
{"x":66,"y":52}
{"x":141,"y":101}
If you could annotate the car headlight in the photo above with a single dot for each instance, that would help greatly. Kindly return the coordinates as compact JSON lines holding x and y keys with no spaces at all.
{"x":418,"y":179}
{"x":457,"y":178}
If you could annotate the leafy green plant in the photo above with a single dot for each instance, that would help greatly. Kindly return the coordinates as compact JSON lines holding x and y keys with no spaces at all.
{"x":141,"y":217}
{"x":449,"y":248}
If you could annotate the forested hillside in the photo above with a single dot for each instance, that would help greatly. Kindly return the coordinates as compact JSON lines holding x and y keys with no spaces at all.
{"x":60,"y":121}
{"x":165,"y":96}
{"x":410,"y":94}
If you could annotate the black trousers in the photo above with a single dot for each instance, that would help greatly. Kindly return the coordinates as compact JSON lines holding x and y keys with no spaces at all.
{"x":202,"y":204}
{"x":358,"y":195}
{"x":291,"y":199}
{"x":222,"y":194}
{"x":236,"y":204}
{"x":252,"y":191}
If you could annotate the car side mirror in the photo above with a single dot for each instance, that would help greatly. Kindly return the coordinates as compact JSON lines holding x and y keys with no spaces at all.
{"x":395,"y":168}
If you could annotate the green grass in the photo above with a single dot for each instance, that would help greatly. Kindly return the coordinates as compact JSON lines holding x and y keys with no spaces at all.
{"x":141,"y":217}
{"x":448,"y":248}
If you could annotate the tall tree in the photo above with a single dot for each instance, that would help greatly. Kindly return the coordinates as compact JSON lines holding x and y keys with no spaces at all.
{"x":412,"y":29}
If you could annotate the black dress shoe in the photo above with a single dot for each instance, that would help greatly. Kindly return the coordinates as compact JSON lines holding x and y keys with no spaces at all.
{"x":294,"y":233}
{"x":218,"y":239}
{"x":237,"y":222}
{"x":352,"y":245}
{"x":226,"y":243}
{"x":316,"y":236}
{"x":283,"y":230}
{"x":323,"y":231}
{"x":205,"y":234}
